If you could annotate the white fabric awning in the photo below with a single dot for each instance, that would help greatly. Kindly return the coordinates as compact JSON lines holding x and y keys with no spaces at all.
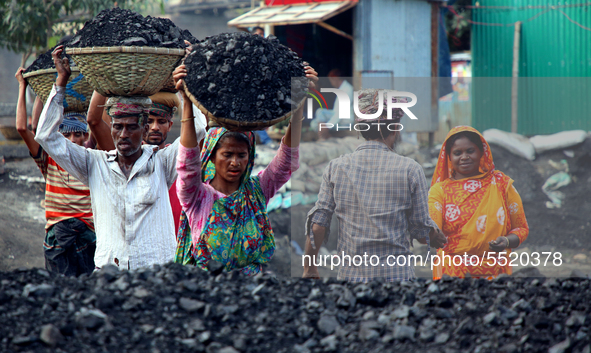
{"x":291,"y":14}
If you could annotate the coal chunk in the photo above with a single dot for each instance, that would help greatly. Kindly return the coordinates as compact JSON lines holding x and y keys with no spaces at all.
{"x":215,"y":267}
{"x":50,"y":335}
{"x":190,"y":304}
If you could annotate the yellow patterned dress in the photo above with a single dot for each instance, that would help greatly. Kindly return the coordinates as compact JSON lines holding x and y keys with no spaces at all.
{"x":473,"y":211}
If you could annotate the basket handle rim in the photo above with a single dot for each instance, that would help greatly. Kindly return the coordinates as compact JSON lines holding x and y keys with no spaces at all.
{"x":126,"y":49}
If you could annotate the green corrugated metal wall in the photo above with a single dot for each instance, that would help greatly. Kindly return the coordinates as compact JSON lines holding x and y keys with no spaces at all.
{"x":554,"y":65}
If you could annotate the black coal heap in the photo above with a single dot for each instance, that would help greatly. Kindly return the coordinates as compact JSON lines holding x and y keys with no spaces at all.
{"x":119,"y":27}
{"x":177,"y":308}
{"x":245,"y":77}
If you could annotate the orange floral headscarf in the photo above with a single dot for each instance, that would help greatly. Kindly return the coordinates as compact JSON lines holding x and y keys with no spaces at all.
{"x":444,"y":170}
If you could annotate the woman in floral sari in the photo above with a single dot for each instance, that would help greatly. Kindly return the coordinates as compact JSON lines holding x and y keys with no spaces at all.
{"x":476,"y":207}
{"x":224,"y":207}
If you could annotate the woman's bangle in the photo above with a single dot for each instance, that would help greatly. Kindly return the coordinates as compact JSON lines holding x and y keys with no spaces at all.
{"x":507,"y":239}
{"x":187,"y":119}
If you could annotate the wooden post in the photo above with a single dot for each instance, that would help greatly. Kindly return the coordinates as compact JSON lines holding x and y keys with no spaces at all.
{"x":334,"y":30}
{"x":434,"y":66}
{"x":515,"y":80}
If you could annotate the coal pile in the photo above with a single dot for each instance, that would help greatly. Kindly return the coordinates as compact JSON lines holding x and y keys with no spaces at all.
{"x":120,"y":27}
{"x":178,"y":308}
{"x":245,"y":77}
{"x":571,"y":221}
{"x":45,"y":61}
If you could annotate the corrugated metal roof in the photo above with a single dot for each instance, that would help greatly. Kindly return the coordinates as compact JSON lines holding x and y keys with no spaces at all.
{"x":291,"y":14}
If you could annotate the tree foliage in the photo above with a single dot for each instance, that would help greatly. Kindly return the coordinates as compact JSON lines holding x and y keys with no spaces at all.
{"x":29,"y":25}
{"x":457,"y":25}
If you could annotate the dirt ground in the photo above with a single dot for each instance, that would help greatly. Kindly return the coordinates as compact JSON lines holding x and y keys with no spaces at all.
{"x":22,"y":219}
{"x":566,"y":227}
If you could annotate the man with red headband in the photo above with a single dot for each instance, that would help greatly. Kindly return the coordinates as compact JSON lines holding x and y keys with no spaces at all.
{"x":128,"y":186}
{"x":164,"y":105}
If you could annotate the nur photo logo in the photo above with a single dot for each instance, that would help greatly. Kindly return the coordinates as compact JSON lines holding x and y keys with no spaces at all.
{"x":394,"y":100}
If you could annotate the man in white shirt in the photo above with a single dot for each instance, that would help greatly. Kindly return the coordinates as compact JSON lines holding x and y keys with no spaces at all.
{"x":128,"y":186}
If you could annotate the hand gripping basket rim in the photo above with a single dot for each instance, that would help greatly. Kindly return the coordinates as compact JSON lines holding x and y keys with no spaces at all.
{"x":233,"y":125}
{"x":144,"y":82}
{"x":42,"y":89}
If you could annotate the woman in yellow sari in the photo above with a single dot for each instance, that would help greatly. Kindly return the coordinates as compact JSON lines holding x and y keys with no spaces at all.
{"x":476,"y":207}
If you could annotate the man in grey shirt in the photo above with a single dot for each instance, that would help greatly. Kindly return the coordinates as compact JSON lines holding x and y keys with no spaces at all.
{"x":379,"y":197}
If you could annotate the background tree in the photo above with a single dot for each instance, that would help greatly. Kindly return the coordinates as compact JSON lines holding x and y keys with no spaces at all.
{"x":456,"y":23}
{"x":36,"y":25}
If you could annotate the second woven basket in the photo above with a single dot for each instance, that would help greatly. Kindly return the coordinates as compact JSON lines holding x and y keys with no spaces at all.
{"x":78,"y":91}
{"x":126,"y":71}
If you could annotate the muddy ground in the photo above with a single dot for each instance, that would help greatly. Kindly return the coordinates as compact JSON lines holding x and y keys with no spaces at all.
{"x":22,"y":218}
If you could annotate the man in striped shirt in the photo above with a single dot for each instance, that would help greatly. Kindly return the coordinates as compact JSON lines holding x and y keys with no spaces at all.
{"x":70,"y":240}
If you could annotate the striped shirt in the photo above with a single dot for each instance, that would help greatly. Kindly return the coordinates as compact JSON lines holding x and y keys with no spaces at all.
{"x":380,"y":199}
{"x":65,"y":196}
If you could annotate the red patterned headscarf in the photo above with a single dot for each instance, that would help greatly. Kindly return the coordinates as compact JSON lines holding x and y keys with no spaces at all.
{"x":444,"y":169}
{"x":121,"y":107}
{"x":164,"y":104}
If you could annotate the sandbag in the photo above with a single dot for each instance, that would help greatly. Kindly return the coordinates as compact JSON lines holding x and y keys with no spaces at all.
{"x":517,"y":144}
{"x":564,"y":139}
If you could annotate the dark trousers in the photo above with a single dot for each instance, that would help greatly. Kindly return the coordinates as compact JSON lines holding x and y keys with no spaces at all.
{"x":69,"y":248}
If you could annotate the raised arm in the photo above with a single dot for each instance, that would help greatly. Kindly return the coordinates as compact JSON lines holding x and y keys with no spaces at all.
{"x":286,"y":161}
{"x":190,"y":189}
{"x":37,"y":109}
{"x":100,"y":129}
{"x":192,"y":132}
{"x":293,"y":133}
{"x":21,"y":115}
{"x":71,"y":157}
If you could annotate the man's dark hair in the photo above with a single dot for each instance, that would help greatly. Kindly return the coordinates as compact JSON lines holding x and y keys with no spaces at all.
{"x":473,"y":137}
{"x":255,"y":29}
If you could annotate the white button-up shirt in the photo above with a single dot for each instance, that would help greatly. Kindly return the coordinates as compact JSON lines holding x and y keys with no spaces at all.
{"x":132,"y":216}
